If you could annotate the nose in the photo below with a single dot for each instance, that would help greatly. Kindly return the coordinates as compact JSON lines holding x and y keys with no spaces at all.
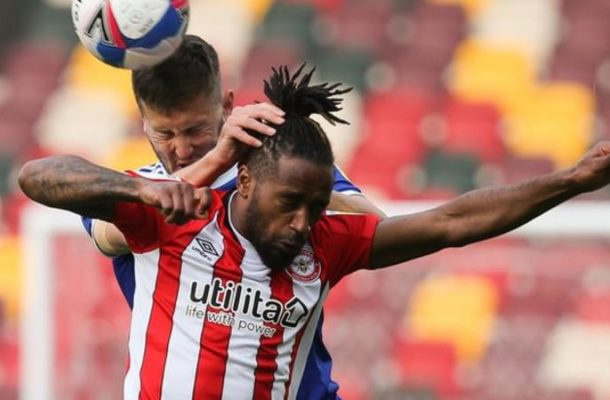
{"x":183,"y":147}
{"x":300,"y":221}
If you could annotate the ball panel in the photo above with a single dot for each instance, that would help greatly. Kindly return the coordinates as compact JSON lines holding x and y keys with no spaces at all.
{"x":114,"y":28}
{"x":136,"y":58}
{"x":137,"y":18}
{"x":111,"y":55}
{"x":169,"y":25}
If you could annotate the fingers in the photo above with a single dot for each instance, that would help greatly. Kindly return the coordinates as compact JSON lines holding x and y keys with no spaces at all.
{"x":175,"y":201}
{"x":251,"y":117}
{"x":203,"y":199}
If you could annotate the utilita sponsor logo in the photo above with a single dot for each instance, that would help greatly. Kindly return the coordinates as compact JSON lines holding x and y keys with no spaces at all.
{"x":238,"y":298}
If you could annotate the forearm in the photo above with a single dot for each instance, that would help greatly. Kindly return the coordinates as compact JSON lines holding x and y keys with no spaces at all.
{"x":204,"y":171}
{"x":486,"y":213}
{"x":74,"y":184}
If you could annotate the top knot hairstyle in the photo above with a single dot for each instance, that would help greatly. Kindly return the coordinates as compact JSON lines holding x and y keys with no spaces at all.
{"x":193,"y":70}
{"x":299,"y":136}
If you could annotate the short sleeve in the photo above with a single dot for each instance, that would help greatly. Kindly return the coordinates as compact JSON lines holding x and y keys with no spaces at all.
{"x":344,"y":242}
{"x":87,"y":224}
{"x":140,"y":224}
{"x":342,"y":184}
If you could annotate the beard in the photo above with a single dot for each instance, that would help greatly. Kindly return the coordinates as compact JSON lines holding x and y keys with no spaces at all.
{"x":272,"y":256}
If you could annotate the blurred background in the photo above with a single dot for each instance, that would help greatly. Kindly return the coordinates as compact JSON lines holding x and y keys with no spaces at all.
{"x":450,"y":95}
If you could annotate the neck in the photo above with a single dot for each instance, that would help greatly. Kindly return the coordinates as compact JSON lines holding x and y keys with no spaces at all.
{"x":237,"y":212}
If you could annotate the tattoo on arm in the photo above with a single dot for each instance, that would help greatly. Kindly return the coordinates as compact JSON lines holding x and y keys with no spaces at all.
{"x":74,"y":184}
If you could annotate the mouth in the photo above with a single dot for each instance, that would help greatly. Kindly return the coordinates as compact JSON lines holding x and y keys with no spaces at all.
{"x":290,"y":247}
{"x":180,"y":165}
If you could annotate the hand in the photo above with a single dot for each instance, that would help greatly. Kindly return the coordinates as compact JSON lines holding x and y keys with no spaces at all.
{"x":234,"y":139}
{"x":178,"y":202}
{"x":593,"y":170}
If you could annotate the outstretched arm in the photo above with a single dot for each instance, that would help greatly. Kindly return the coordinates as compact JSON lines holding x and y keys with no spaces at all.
{"x":75,"y":184}
{"x":485,"y":213}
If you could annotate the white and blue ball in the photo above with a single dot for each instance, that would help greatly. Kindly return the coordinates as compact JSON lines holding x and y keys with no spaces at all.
{"x":131,"y":33}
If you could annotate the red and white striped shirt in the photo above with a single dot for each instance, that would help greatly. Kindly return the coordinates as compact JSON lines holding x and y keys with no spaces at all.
{"x":211,"y":321}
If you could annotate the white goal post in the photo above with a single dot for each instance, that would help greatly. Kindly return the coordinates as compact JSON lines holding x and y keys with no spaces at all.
{"x":40,"y":225}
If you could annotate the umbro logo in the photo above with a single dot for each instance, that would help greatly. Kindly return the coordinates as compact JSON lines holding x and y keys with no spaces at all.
{"x":205,"y":248}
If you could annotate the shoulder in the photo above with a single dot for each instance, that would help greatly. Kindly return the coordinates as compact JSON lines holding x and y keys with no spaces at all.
{"x":345,"y":224}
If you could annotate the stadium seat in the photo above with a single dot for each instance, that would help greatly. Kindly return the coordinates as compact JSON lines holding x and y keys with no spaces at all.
{"x":427,"y":364}
{"x":450,"y":170}
{"x":529,"y":25}
{"x":266,"y":54}
{"x":10,"y":276}
{"x":472,"y":7}
{"x":82,"y":122}
{"x":568,"y":64}
{"x":132,"y":153}
{"x":459,"y":310}
{"x":232,"y":40}
{"x":289,"y":21}
{"x":341,"y":64}
{"x":359,"y":25}
{"x":85,"y":72}
{"x":555,"y":121}
{"x":499,"y":75}
{"x":594,"y":307}
{"x":577,"y":357}
{"x":467,"y":127}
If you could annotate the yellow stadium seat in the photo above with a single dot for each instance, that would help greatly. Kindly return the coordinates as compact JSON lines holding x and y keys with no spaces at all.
{"x":10,"y":275}
{"x":472,"y":7}
{"x":556,"y":122}
{"x":87,"y":72}
{"x":256,"y":8}
{"x":133,"y":153}
{"x":458,"y":310}
{"x":485,"y":73}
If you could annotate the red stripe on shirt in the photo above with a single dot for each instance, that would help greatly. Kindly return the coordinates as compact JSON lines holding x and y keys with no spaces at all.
{"x":164,"y":303}
{"x":266,"y":364}
{"x":212,"y":363}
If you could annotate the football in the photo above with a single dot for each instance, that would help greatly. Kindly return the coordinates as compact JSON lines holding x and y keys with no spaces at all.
{"x":130,"y":33}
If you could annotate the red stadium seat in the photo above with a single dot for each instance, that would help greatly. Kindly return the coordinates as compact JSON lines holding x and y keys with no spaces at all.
{"x":472,"y":128}
{"x":264,"y":55}
{"x":428,"y":364}
{"x":594,"y":308}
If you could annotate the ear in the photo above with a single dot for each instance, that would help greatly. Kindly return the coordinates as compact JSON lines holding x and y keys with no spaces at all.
{"x":245,"y":181}
{"x":227,"y":103}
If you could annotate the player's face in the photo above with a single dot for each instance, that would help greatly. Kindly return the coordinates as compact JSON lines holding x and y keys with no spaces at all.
{"x":282,"y":209}
{"x":181,"y":137}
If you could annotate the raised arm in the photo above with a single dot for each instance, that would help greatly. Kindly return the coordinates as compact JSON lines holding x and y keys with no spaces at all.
{"x":232,"y":142}
{"x":485,"y":213}
{"x":75,"y":184}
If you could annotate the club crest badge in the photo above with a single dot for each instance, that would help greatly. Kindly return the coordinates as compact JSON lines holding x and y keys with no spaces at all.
{"x":305,"y":267}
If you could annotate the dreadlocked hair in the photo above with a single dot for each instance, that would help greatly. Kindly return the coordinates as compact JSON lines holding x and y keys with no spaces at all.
{"x":299,"y":136}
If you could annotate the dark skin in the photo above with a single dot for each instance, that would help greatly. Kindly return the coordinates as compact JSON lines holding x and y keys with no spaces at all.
{"x":469,"y":218}
{"x":277,"y":210}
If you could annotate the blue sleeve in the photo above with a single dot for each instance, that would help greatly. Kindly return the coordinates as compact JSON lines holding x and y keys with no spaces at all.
{"x":87,"y":224}
{"x":342,"y":184}
{"x":231,"y":185}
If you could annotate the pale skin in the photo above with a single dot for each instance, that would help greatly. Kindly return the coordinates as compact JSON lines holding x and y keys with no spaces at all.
{"x":472,"y":217}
